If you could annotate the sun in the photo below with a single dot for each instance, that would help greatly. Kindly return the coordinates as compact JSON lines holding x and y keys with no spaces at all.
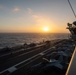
{"x":46,"y":29}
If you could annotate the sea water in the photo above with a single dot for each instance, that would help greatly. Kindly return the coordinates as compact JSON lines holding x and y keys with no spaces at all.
{"x":13,"y":39}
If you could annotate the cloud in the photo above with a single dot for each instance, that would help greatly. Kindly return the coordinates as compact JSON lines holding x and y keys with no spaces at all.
{"x":39,"y":20}
{"x":30,"y":11}
{"x":16,"y":9}
{"x":35,"y":16}
{"x":32,"y":14}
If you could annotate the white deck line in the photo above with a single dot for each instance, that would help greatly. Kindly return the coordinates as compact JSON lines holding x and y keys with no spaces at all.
{"x":12,"y":69}
{"x":25,"y":60}
{"x":41,"y":53}
{"x":21,"y":50}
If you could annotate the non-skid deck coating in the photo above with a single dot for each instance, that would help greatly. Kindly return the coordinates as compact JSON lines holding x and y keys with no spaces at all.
{"x":24,"y":63}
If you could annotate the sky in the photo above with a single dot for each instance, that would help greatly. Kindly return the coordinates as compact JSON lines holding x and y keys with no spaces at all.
{"x":34,"y":15}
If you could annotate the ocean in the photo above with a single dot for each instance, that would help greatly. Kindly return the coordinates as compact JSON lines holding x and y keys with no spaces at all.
{"x":14,"y":39}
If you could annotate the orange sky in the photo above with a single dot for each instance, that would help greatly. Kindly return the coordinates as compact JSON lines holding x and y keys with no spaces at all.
{"x":34,"y":15}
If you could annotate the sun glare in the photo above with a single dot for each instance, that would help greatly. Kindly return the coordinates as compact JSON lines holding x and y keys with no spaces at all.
{"x":46,"y":29}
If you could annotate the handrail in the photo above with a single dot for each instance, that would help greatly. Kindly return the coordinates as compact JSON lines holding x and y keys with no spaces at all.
{"x":72,"y":65}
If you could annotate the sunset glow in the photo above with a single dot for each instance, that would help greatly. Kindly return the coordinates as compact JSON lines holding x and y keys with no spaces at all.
{"x":45,"y":29}
{"x":34,"y":17}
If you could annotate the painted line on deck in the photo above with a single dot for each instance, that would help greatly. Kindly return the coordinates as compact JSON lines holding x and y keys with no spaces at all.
{"x":24,"y":61}
{"x":20,"y":50}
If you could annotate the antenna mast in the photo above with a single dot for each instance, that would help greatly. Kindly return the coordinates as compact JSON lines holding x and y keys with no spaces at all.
{"x":72,"y":8}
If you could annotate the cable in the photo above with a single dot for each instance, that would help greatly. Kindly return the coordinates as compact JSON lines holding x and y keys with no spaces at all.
{"x":72,"y":8}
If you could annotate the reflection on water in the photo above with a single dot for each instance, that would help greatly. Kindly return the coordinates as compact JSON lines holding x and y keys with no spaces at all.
{"x":12,"y":39}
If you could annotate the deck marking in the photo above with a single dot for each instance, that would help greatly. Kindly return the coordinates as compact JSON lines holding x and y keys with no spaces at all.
{"x":25,"y":60}
{"x":12,"y":69}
